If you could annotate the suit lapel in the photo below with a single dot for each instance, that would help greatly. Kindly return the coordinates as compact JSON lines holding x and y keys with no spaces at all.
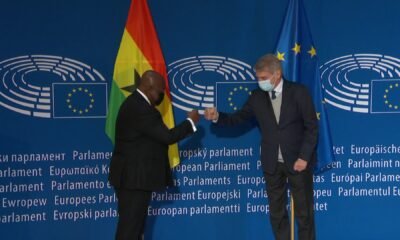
{"x":269,"y":108}
{"x":139,"y":98}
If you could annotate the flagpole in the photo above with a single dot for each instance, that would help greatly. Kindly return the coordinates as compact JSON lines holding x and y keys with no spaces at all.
{"x":291,"y":217}
{"x":298,"y":56}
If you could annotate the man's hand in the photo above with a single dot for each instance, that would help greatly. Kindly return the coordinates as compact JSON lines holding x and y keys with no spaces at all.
{"x":300,"y":165}
{"x":211,"y":114}
{"x":194,"y":115}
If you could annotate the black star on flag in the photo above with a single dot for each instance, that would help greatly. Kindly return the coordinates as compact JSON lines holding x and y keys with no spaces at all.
{"x":136,"y":79}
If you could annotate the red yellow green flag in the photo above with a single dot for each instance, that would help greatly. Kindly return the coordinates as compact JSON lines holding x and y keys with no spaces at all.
{"x":139,"y":51}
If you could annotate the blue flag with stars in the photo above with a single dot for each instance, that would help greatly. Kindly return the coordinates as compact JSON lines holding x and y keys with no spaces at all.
{"x":385,"y":96}
{"x":231,"y":96}
{"x":79,"y":100}
{"x":298,"y":55}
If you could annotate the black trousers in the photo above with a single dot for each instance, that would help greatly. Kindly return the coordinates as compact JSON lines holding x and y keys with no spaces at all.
{"x":301,"y":186}
{"x":132,"y":210}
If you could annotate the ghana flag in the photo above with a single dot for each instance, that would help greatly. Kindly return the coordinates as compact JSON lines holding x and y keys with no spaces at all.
{"x":139,"y":51}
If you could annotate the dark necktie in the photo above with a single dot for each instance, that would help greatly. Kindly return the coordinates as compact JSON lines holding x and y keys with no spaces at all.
{"x":273,"y":95}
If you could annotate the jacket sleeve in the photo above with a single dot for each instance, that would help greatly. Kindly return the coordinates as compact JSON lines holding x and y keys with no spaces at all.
{"x":153,"y":126}
{"x":309,"y":116}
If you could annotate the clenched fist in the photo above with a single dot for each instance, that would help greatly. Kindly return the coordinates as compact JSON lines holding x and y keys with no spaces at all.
{"x":211,"y":114}
{"x":194,"y":115}
{"x":300,"y":165}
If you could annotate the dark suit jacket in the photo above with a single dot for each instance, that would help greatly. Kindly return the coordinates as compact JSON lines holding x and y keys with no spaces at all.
{"x":140,"y":157}
{"x":296,"y":132}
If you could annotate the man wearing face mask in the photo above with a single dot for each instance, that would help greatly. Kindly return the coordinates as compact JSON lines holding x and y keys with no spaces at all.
{"x":140,"y":164}
{"x":287,"y":121}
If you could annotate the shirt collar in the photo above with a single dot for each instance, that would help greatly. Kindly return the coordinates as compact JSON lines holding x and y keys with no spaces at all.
{"x":143,"y":95}
{"x":279,"y":87}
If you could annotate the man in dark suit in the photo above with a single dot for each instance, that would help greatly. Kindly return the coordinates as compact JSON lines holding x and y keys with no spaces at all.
{"x":287,"y":120}
{"x":140,"y":164}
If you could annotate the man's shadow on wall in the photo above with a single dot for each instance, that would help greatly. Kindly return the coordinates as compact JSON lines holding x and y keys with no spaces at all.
{"x":195,"y":142}
{"x":233,"y":131}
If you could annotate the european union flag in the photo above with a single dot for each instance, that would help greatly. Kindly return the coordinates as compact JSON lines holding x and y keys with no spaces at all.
{"x":385,"y":96}
{"x":79,"y":100}
{"x":298,"y":55}
{"x":232,"y":95}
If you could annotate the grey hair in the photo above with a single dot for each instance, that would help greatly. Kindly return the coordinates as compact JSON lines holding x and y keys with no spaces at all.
{"x":268,"y":62}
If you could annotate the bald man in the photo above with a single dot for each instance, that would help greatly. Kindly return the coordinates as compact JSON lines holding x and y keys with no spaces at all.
{"x":140,"y":161}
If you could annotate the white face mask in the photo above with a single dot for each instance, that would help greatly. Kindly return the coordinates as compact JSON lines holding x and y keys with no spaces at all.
{"x":266,"y":85}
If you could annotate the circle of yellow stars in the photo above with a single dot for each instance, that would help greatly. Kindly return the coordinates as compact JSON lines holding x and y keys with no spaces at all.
{"x":75,"y":109}
{"x":385,"y":96}
{"x":235,"y":91}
